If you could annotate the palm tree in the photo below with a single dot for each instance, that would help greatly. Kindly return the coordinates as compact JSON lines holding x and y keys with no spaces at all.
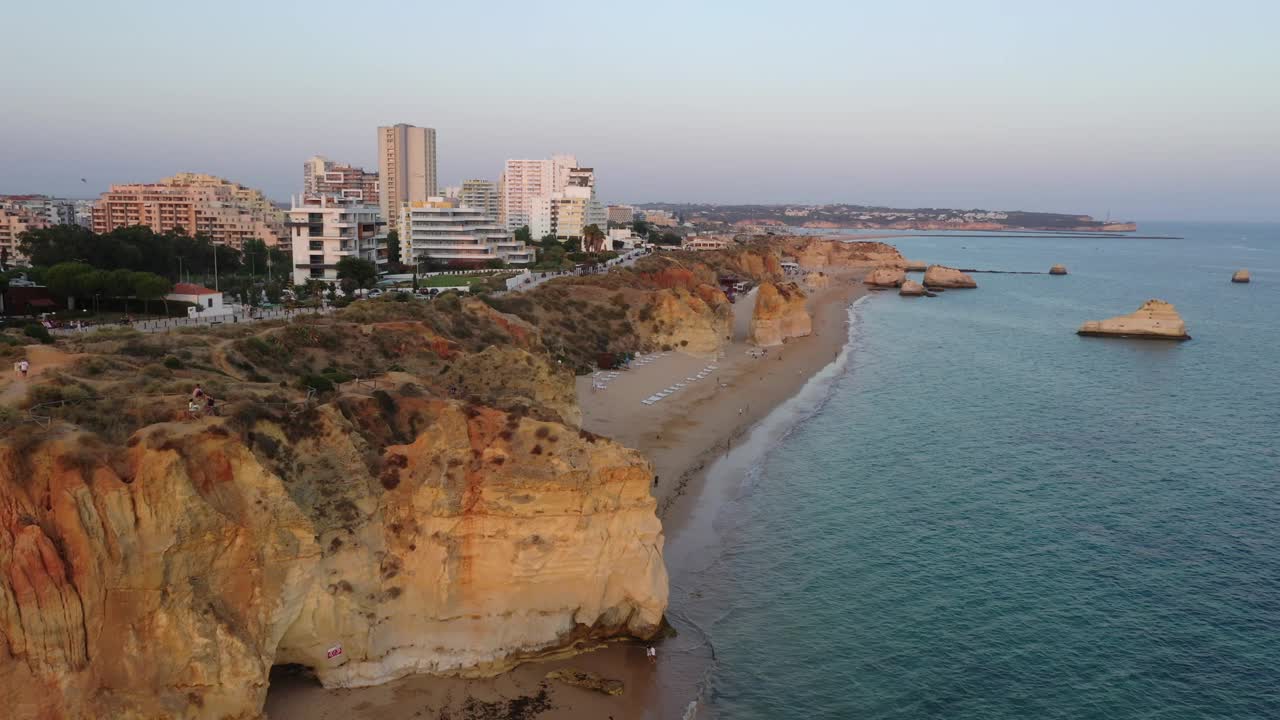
{"x":592,"y":238}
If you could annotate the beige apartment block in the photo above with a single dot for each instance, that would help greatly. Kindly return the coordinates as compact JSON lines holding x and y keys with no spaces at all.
{"x":322,"y":176}
{"x":406,"y":166}
{"x":225,"y":212}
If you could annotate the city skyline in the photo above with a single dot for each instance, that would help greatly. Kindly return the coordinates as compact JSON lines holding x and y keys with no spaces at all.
{"x":1088,"y":109}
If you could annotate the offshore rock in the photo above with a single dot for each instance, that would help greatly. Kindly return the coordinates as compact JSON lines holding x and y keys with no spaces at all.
{"x":367,"y":538}
{"x":1156,"y":319}
{"x":1240,"y":276}
{"x":941,"y":276}
{"x":885,"y":277}
{"x":911,"y":288}
{"x":780,"y":313}
{"x":1058,"y":270}
{"x":914,"y":266}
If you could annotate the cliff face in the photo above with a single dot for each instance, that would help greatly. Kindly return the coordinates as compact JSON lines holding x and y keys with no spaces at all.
{"x":822,"y":253}
{"x":697,"y":321}
{"x":366,"y":538}
{"x":780,"y":313}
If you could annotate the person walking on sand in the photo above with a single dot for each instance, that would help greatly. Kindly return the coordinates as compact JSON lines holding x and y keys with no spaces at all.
{"x":652,"y":654}
{"x":23,"y":367}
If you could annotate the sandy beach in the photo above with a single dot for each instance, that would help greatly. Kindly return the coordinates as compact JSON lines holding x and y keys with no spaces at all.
{"x":681,"y":434}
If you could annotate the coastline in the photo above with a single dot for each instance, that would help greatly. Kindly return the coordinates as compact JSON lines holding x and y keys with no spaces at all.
{"x":682,"y":436}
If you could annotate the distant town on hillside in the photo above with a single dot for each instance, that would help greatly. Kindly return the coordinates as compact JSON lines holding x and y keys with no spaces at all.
{"x":883,"y":218}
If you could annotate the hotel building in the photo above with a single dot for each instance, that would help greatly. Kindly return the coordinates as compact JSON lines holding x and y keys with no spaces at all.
{"x":621,"y":213}
{"x":14,"y":222}
{"x":406,"y":167}
{"x":442,"y":230}
{"x":524,"y":181}
{"x":325,"y":229}
{"x":225,"y":212}
{"x":566,"y":213}
{"x":321,"y":176}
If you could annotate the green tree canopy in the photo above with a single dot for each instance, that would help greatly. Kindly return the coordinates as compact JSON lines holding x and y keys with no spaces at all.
{"x":354,"y":272}
{"x":593,"y":238}
{"x":523,"y":234}
{"x":149,"y":286}
{"x":393,"y":249}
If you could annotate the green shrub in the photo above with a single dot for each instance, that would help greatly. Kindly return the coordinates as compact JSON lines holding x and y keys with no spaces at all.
{"x":37,"y":331}
{"x":319,"y":382}
{"x":172,"y":363}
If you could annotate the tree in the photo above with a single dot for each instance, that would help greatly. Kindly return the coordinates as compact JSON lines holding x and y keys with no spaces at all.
{"x":640,"y":227}
{"x":354,"y":272}
{"x":393,"y":249}
{"x":523,"y":235}
{"x":593,"y":238}
{"x":495,"y":264}
{"x":149,"y":286}
{"x":255,"y":252}
{"x":63,"y":279}
{"x":573,"y":245}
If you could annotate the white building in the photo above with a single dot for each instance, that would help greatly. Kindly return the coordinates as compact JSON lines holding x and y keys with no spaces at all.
{"x":566,"y":213}
{"x":523,"y":181}
{"x":624,"y":239}
{"x":324,"y":230}
{"x":208,"y":301}
{"x":442,"y":230}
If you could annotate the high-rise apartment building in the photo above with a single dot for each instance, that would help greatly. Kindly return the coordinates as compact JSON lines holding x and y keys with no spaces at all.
{"x":196,"y":204}
{"x":13,"y":222}
{"x":440,"y":229}
{"x":325,"y":229}
{"x":321,"y":176}
{"x":406,"y":166}
{"x":482,"y":195}
{"x":567,"y":212}
{"x":523,"y":181}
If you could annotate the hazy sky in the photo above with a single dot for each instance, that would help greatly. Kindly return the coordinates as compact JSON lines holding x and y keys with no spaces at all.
{"x":1152,"y":110}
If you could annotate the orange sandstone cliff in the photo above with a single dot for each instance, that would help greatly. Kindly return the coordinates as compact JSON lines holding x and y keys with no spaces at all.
{"x":366,"y":538}
{"x":779,"y":313}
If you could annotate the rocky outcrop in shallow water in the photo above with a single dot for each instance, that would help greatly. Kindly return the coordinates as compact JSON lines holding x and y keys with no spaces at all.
{"x":1058,"y":270}
{"x":911,"y":288}
{"x":1155,"y":319}
{"x":1240,"y":276}
{"x":367,"y":538}
{"x":941,"y":276}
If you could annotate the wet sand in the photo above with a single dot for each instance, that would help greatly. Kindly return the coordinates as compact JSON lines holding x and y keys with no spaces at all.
{"x":682,"y":435}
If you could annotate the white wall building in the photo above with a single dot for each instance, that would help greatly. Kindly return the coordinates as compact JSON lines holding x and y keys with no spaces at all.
{"x":523,"y":181}
{"x":209,"y":301}
{"x":441,"y":230}
{"x":567,"y":212}
{"x":482,"y":195}
{"x":324,"y":230}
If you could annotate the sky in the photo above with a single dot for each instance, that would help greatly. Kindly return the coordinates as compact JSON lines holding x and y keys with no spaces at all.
{"x":1141,"y":109}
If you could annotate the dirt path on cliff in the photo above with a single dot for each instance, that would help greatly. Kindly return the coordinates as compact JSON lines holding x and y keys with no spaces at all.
{"x":43,"y":358}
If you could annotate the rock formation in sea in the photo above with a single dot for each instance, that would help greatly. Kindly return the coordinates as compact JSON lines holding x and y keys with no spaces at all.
{"x":1240,"y":276}
{"x":914,"y":266}
{"x":885,"y":277}
{"x":911,"y":288}
{"x":1155,"y":319}
{"x":779,"y":313}
{"x":941,"y":276}
{"x":1058,"y":270}
{"x":366,"y":538}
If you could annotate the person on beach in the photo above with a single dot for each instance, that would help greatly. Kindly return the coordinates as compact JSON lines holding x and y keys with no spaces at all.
{"x":197,"y":393}
{"x":652,"y":654}
{"x":23,"y":367}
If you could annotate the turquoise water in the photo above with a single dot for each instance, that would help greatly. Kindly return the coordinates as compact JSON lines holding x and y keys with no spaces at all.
{"x":978,"y":514}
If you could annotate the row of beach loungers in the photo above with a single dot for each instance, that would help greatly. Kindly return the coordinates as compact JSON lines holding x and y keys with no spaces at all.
{"x":658,"y":396}
{"x":600,"y":379}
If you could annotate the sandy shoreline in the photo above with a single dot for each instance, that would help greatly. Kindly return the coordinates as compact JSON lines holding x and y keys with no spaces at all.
{"x":681,"y":435}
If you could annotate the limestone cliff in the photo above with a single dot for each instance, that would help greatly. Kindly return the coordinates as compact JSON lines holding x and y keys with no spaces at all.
{"x":367,"y":538}
{"x":885,"y":277}
{"x":779,"y":313}
{"x":697,"y":321}
{"x":1155,"y":319}
{"x":818,"y":253}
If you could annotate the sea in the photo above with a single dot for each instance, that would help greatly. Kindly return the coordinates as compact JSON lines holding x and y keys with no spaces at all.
{"x":974,"y":513}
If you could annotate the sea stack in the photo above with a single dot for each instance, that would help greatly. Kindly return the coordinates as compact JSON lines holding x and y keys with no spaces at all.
{"x":1058,"y":270}
{"x":941,"y":276}
{"x":1155,"y":320}
{"x":914,"y":266}
{"x":1240,"y":276}
{"x":911,"y":288}
{"x":885,"y":277}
